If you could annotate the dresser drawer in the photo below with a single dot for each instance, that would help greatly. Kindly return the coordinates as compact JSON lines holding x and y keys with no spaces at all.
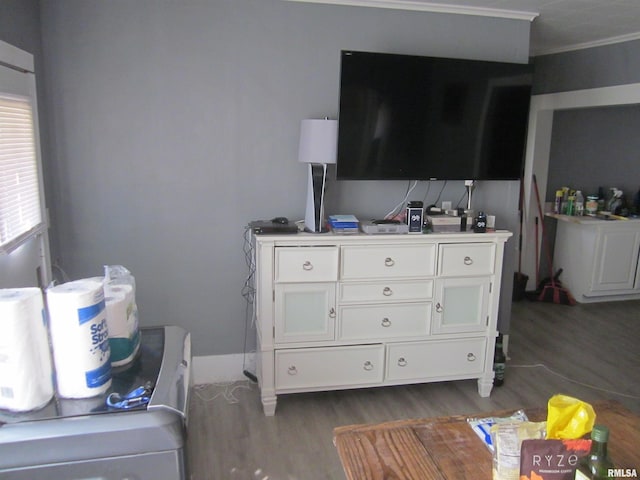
{"x":424,"y":360}
{"x":391,"y":291}
{"x":306,"y":264}
{"x":328,"y":367}
{"x":465,"y":260}
{"x":385,"y":321}
{"x":387,"y":261}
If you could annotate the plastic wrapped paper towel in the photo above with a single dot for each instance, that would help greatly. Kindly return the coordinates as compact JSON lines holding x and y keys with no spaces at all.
{"x":79,"y":338}
{"x":122,"y":314}
{"x":26,"y":381}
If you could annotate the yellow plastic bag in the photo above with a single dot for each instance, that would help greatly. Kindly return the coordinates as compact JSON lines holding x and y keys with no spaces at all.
{"x":568,"y":417}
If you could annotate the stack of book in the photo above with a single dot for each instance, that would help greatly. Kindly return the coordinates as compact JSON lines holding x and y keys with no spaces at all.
{"x":344,"y":223}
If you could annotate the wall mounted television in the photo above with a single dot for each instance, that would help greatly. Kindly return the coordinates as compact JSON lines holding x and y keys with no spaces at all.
{"x":406,"y":117}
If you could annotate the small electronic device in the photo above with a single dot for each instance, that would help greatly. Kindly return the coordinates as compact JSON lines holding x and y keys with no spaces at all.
{"x":373,"y":228}
{"x":414,"y":216}
{"x":273,"y":226}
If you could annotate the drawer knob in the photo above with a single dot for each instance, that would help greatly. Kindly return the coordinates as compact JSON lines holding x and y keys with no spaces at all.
{"x":468,"y":261}
{"x":471,"y":357}
{"x":368,"y":366}
{"x":386,"y":322}
{"x":439,"y":308}
{"x":332,"y":313}
{"x":307,"y":265}
{"x":292,"y":370}
{"x":388,"y":262}
{"x":402,"y":362}
{"x":387,"y":292}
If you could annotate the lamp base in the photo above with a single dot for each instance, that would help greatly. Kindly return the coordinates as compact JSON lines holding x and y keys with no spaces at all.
{"x":314,"y":217}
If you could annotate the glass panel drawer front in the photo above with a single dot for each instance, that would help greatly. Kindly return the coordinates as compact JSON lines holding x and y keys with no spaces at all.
{"x":385,"y":321}
{"x":436,"y":359}
{"x":467,"y":260}
{"x":329,"y":367}
{"x":306,"y":264}
{"x":388,"y":261}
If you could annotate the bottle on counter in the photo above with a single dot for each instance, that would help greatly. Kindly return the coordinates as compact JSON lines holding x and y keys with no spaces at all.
{"x":571,"y":201}
{"x":499,"y":362}
{"x":591,"y":207}
{"x":557,"y":205}
{"x":596,"y":465}
{"x":579,"y":204}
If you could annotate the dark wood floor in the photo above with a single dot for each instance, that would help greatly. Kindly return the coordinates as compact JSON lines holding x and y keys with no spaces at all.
{"x":596,"y":344}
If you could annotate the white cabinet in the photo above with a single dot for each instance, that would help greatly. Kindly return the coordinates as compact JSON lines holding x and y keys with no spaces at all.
{"x":616,"y":260}
{"x":461,"y":305}
{"x":304,"y":312}
{"x":352,"y":311}
{"x":599,"y":258}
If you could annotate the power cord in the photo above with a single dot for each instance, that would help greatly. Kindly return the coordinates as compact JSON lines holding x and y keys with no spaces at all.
{"x":564,"y":377}
{"x":398,"y":208}
{"x":225,"y":390}
{"x":248,"y":293}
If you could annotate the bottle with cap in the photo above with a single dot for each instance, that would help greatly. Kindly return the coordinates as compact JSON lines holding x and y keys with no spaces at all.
{"x":596,"y":465}
{"x":579,"y":204}
{"x":499,"y":362}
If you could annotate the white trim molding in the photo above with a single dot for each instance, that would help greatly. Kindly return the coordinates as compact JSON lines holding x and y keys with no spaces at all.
{"x":222,"y":368}
{"x":538,"y":147}
{"x":16,"y":58}
{"x":416,"y":5}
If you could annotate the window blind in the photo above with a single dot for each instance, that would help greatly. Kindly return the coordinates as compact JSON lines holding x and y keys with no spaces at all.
{"x":20,"y":206}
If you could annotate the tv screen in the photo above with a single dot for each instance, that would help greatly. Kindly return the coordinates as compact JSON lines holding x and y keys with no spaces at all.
{"x":405,"y":117}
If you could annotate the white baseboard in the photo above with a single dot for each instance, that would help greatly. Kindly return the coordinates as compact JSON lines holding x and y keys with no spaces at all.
{"x":222,"y":368}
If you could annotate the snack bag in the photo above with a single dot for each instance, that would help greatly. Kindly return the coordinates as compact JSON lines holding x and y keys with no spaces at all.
{"x":551,"y":459}
{"x":568,"y":418}
{"x":507,"y":440}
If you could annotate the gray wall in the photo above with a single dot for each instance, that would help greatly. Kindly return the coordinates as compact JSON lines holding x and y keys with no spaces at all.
{"x":597,"y":146}
{"x":173,"y":124}
{"x":616,"y":64}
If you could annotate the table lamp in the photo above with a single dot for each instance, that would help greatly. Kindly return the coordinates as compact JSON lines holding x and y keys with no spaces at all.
{"x":318,"y":145}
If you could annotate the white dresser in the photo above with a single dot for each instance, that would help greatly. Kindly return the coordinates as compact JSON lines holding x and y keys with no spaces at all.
{"x":351,"y":311}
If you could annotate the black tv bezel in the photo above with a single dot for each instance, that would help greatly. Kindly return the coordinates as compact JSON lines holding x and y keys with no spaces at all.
{"x":525,"y":70}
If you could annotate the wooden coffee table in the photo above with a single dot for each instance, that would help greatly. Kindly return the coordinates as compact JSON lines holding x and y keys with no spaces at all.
{"x":446,"y":448}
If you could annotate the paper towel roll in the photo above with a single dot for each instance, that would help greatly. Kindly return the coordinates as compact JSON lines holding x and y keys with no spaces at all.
{"x":80,"y":338}
{"x":26,"y":377}
{"x":122,"y":319}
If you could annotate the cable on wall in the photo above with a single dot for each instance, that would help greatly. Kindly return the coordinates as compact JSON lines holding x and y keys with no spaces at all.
{"x":248,"y":293}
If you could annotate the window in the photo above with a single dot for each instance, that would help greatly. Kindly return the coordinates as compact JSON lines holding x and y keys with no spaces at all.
{"x":20,"y":204}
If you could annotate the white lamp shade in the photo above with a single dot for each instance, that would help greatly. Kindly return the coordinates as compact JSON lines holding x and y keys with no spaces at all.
{"x":318,"y":141}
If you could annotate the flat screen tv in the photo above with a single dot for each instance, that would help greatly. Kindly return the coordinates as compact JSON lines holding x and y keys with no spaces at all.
{"x":405,"y":117}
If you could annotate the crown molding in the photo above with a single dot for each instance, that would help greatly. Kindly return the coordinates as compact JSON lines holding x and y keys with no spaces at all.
{"x":416,"y":5}
{"x":582,"y":46}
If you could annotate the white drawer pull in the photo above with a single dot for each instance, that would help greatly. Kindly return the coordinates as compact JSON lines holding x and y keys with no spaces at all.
{"x":386,"y":322}
{"x":468,"y":260}
{"x":368,"y":366}
{"x":388,"y":262}
{"x":402,"y":362}
{"x":387,"y":292}
{"x":307,"y":265}
{"x":471,"y":357}
{"x":292,"y":370}
{"x":439,"y":308}
{"x":332,"y":313}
